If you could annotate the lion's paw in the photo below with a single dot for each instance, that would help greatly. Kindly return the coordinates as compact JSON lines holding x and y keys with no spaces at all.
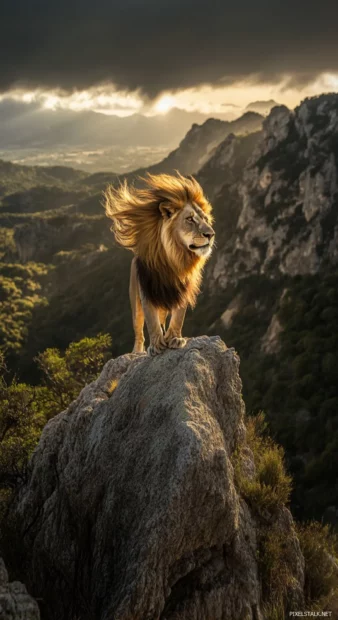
{"x":176,"y":343}
{"x":157,"y":346}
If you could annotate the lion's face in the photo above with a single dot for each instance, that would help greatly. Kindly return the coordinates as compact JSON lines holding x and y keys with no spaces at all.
{"x":194,"y":231}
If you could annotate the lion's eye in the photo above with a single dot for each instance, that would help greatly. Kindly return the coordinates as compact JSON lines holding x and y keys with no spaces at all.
{"x":190,"y":218}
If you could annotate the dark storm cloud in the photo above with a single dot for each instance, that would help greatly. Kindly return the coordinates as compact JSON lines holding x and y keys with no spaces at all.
{"x":161,"y":44}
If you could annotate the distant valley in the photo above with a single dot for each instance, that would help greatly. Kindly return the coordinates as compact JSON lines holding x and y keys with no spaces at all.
{"x":93,"y":141}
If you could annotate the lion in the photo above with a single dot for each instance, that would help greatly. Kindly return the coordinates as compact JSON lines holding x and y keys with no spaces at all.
{"x":168,"y":226}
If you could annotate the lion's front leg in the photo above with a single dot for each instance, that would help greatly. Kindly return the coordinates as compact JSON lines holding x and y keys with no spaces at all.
{"x":157,"y":342}
{"x":173,"y":336}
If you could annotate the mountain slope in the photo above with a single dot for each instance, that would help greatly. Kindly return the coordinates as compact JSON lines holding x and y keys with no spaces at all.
{"x":197,"y":146}
{"x":14,"y":177}
{"x":269,"y":288}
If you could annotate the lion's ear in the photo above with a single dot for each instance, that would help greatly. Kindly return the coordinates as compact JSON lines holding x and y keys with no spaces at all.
{"x":167,"y":210}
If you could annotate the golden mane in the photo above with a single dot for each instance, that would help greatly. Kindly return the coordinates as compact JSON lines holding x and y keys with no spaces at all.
{"x":137,"y":224}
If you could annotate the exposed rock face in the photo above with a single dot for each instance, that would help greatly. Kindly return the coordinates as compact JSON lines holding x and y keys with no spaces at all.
{"x":231,"y":311}
{"x":288,"y":220}
{"x":15,"y":602}
{"x":270,"y":341}
{"x":131,"y":511}
{"x":220,"y":177}
{"x":225,"y":164}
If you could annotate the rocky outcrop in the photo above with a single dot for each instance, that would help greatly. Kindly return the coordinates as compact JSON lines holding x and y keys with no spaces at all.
{"x":131,"y":511}
{"x":15,"y":602}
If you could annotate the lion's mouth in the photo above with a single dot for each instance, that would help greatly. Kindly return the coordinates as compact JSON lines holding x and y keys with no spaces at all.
{"x":192,"y":246}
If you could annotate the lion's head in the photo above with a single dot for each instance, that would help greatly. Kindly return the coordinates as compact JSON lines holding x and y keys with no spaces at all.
{"x":188,"y":228}
{"x":167,"y":224}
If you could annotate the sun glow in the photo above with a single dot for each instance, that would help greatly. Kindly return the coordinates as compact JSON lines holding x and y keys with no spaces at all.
{"x":50,"y":102}
{"x":164,"y":104}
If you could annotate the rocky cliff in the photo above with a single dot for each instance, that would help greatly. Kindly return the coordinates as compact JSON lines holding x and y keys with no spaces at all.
{"x":287,"y":216}
{"x":132,"y":510}
{"x":271,"y":284}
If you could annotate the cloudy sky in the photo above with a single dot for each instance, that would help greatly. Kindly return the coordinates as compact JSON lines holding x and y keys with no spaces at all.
{"x":148,"y":56}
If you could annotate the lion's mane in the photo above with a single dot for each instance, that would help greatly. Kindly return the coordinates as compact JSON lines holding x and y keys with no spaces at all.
{"x":137,"y":225}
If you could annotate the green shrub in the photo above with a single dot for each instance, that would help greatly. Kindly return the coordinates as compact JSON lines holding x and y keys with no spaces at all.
{"x":21,"y":422}
{"x":276,"y":575}
{"x":271,"y":485}
{"x":268,"y":490}
{"x":320,"y":549}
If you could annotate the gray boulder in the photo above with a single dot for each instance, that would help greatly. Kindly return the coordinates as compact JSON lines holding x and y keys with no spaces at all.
{"x":15,"y":602}
{"x":131,"y":511}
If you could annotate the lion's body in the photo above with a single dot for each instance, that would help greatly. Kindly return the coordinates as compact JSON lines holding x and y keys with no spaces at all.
{"x":166,"y":271}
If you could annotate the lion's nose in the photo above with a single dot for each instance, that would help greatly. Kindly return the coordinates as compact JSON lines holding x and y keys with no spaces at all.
{"x":209,"y":235}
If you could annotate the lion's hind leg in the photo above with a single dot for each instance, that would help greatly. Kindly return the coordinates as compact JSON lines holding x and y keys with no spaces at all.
{"x":137,"y":310}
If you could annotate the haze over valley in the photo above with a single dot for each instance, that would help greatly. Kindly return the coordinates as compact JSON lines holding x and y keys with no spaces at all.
{"x":94,"y":141}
